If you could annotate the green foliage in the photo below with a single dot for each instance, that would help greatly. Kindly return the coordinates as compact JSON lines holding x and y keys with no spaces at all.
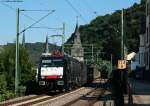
{"x":7,"y":70}
{"x":3,"y":83}
{"x":6,"y":94}
{"x":8,"y":63}
{"x":104,"y":67}
{"x":26,"y":72}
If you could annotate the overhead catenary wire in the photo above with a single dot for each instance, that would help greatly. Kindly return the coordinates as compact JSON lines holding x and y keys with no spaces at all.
{"x":90,"y":8}
{"x":13,"y":9}
{"x":70,"y":4}
{"x":81,"y":10}
{"x":44,"y":27}
{"x":36,"y":10}
{"x":95,"y":12}
{"x":37,"y":21}
{"x":57,"y":18}
{"x":27,"y":16}
{"x":11,"y":1}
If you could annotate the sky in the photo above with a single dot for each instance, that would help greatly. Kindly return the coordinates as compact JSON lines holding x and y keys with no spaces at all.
{"x":66,"y":12}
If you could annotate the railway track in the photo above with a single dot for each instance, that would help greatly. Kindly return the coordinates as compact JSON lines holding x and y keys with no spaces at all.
{"x":20,"y":99}
{"x":80,"y":96}
{"x":87,"y":100}
{"x":33,"y":100}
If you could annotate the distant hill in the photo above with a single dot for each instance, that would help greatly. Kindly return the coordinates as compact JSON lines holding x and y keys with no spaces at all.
{"x":1,"y":48}
{"x":35,"y":50}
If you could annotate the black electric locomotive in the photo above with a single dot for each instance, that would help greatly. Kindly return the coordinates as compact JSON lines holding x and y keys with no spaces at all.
{"x":60,"y":71}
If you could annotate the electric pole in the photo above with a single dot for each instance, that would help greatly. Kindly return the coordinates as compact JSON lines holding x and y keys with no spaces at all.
{"x":46,"y":45}
{"x":92,"y":54}
{"x":122,"y":36}
{"x":17,"y":54}
{"x":63,"y":37}
{"x":17,"y":45}
{"x":111,"y":62}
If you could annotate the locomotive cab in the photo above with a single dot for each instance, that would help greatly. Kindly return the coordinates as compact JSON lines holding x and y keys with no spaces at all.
{"x":51,"y":71}
{"x":57,"y":71}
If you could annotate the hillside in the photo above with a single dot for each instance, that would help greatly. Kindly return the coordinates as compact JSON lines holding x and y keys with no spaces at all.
{"x":1,"y":48}
{"x":105,"y":31}
{"x":35,"y":50}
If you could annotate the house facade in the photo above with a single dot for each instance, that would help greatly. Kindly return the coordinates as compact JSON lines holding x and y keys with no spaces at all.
{"x":147,"y":41}
{"x":142,"y":51}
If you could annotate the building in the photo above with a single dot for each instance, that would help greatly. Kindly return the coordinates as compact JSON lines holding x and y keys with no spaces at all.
{"x":147,"y":41}
{"x":141,"y":51}
{"x":77,"y":50}
{"x":135,"y":62}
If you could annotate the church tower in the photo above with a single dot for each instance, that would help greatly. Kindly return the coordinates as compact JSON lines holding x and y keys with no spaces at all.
{"x":77,"y":50}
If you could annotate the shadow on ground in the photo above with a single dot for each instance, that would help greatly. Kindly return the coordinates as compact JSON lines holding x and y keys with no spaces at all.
{"x":104,"y":98}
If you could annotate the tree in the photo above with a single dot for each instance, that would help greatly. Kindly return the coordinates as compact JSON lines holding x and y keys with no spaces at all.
{"x":7,"y":70}
{"x":104,"y":68}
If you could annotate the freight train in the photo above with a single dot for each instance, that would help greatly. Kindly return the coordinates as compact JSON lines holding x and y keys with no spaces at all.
{"x":59,"y":71}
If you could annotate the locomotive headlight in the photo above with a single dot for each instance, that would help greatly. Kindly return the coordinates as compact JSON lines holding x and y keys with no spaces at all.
{"x":42,"y":77}
{"x":60,"y":76}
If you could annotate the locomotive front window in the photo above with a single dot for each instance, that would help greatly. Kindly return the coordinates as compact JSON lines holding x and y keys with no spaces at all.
{"x":58,"y":62}
{"x":52,"y":63}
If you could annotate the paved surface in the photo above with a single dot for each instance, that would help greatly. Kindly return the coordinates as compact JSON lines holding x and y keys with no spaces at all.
{"x":141,"y":92}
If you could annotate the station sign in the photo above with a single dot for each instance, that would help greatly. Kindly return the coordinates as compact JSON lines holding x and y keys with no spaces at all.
{"x":122,"y":64}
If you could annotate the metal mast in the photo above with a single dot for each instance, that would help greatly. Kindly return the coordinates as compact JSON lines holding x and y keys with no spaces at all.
{"x":17,"y":55}
{"x":63,"y":37}
{"x":122,"y":36}
{"x":46,"y":45}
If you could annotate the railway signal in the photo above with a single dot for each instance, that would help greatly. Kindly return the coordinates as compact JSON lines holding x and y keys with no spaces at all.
{"x":122,"y":64}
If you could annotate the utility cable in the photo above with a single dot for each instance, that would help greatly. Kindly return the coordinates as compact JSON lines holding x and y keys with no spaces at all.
{"x":76,"y":10}
{"x":8,"y":6}
{"x":29,"y":17}
{"x":89,"y":7}
{"x":37,"y":21}
{"x":11,"y":1}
